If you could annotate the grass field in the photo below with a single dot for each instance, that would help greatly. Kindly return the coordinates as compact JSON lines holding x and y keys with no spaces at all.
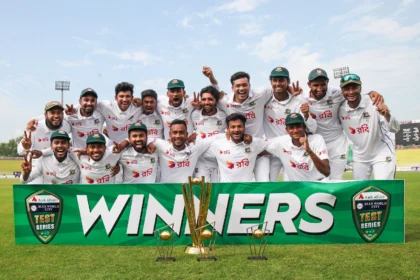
{"x":365,"y":261}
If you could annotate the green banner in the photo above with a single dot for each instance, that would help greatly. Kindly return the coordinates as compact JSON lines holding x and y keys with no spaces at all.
{"x":295,"y":212}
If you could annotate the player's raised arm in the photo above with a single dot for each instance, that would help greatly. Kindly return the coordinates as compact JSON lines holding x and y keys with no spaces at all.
{"x":208,"y":72}
{"x":393,"y":124}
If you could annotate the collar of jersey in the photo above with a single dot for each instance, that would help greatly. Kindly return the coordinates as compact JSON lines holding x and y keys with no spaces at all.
{"x":80,"y":117}
{"x":362,"y":105}
{"x":186,"y":150}
{"x":236,"y":144}
{"x":328,"y":94}
{"x":119,"y":111}
{"x":284,"y":101}
{"x":216,"y":116}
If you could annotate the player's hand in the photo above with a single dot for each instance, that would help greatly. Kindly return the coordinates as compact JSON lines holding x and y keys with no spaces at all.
{"x":137,"y":102}
{"x":117,"y":148}
{"x":36,"y":154}
{"x":151,"y":148}
{"x":31,"y":126}
{"x":207,"y":72}
{"x":247,"y":139}
{"x":26,"y":140}
{"x":305,"y":143}
{"x":27,"y":163}
{"x":295,"y":89}
{"x":196,"y":103}
{"x":191,"y":138}
{"x":70,"y":110}
{"x":105,"y":131}
{"x":383,"y":110}
{"x":377,"y":99}
{"x":304,"y":108}
{"x":80,"y":152}
{"x":115,"y":170}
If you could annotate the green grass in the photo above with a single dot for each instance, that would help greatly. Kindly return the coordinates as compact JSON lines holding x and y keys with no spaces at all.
{"x":365,"y":261}
{"x":8,"y":166}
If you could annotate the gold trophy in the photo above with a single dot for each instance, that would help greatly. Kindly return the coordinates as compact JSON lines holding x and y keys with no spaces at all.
{"x":197,"y":227}
{"x":209,"y":240}
{"x":164,"y":237}
{"x":257,"y":239}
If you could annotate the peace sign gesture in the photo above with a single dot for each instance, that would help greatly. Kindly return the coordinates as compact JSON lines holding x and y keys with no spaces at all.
{"x":70,"y":110}
{"x":26,"y":141}
{"x":295,"y":89}
{"x":27,"y":164}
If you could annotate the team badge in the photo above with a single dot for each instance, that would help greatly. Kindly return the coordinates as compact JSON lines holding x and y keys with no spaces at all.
{"x":287,"y":112}
{"x":185,"y":111}
{"x":366,"y":115}
{"x":96,"y":121}
{"x":96,"y":136}
{"x":251,"y":104}
{"x":108,"y":166}
{"x":219,"y":123}
{"x":247,"y":150}
{"x":157,"y":122}
{"x":73,"y":171}
{"x":279,"y":69}
{"x":371,"y":208}
{"x":175,"y":81}
{"x":294,"y":116}
{"x":305,"y":154}
{"x":152,"y":160}
{"x":388,"y":159}
{"x":318,"y":71}
{"x":329,"y":101}
{"x":343,"y":156}
{"x":44,"y":211}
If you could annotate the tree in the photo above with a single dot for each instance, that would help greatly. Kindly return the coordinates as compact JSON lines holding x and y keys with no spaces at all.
{"x":9,"y":149}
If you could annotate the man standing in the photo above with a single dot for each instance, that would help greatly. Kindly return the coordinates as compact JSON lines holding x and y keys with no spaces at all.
{"x":150,"y":117}
{"x":85,"y":120}
{"x":175,"y":106}
{"x":368,"y":127}
{"x":139,"y":165}
{"x":57,"y":168}
{"x":281,"y":104}
{"x":208,"y":122}
{"x":236,"y":160}
{"x":304,"y":156}
{"x":324,"y":103}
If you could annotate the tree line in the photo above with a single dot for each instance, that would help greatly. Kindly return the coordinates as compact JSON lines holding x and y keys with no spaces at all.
{"x":9,"y":149}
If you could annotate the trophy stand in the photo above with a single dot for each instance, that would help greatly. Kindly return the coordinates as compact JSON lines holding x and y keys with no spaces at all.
{"x":164,"y":237}
{"x":208,"y":241}
{"x":257,"y":239}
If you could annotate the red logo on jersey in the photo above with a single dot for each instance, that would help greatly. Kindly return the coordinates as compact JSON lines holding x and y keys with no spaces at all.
{"x":250,"y":115}
{"x":51,"y":173}
{"x":171,"y":164}
{"x":112,"y":118}
{"x":268,"y":107}
{"x":303,"y":165}
{"x":165,"y":113}
{"x":131,"y":162}
{"x":202,"y":134}
{"x":270,"y":119}
{"x":364,"y":128}
{"x":168,"y":123}
{"x":352,"y":130}
{"x":45,"y":139}
{"x":199,"y":123}
{"x":312,"y":115}
{"x":227,"y":152}
{"x":90,"y":180}
{"x":80,"y":134}
{"x":345,"y":117}
{"x":326,"y":114}
{"x":169,"y":153}
{"x":281,"y":121}
{"x":229,"y":165}
{"x":322,"y":152}
{"x":286,"y":151}
{"x":76,"y":123}
{"x":114,"y":128}
{"x":135,"y":174}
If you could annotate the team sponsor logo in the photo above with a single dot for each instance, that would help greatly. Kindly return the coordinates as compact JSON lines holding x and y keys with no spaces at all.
{"x":171,"y":164}
{"x":202,"y":135}
{"x":114,"y":128}
{"x":157,"y":122}
{"x":250,"y":115}
{"x":50,"y":173}
{"x":364,"y":128}
{"x":303,"y":165}
{"x":287,"y":112}
{"x":80,"y":134}
{"x":230,"y":165}
{"x":167,"y":113}
{"x":135,"y":174}
{"x":168,"y":123}
{"x":226,"y":152}
{"x":345,"y":118}
{"x":247,"y":150}
{"x":371,"y":208}
{"x":287,"y":151}
{"x":312,"y":115}
{"x":89,"y":180}
{"x":270,"y":119}
{"x":323,"y":152}
{"x":108,"y":166}
{"x":76,"y":123}
{"x":45,"y":139}
{"x":97,"y":121}
{"x":112,"y":118}
{"x":44,"y":211}
{"x":180,"y":164}
{"x":326,"y":114}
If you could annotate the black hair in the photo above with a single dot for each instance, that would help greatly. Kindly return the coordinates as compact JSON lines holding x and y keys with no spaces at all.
{"x":124,"y":86}
{"x":235,"y":117}
{"x":174,"y":122}
{"x":212,"y":90}
{"x":239,"y":75}
{"x":149,"y":92}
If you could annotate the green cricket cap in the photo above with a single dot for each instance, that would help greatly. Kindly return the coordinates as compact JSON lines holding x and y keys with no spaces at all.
{"x":316,"y":73}
{"x":137,"y":126}
{"x":294,"y":118}
{"x":59,"y":134}
{"x":88,"y":91}
{"x":175,"y":83}
{"x":280,"y":72}
{"x":53,"y":104}
{"x":96,"y":138}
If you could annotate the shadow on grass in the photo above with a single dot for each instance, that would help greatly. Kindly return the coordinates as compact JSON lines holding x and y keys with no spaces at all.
{"x":412,"y":233}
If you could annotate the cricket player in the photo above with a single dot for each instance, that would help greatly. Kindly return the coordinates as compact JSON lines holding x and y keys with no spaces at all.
{"x":175,"y":106}
{"x":236,"y":159}
{"x":56,"y":168}
{"x":208,"y":122}
{"x":281,"y":104}
{"x":150,"y":117}
{"x":85,"y":119}
{"x":138,"y":164}
{"x":368,"y":127}
{"x":324,"y":103}
{"x":304,"y":156}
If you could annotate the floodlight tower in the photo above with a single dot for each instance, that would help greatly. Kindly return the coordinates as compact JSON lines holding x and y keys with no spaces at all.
{"x":340,"y":72}
{"x":62,"y":85}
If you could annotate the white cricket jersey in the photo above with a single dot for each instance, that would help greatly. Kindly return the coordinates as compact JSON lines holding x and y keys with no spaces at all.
{"x":176,"y":165}
{"x":41,"y":136}
{"x":138,"y":167}
{"x":54,"y":172}
{"x":252,"y":108}
{"x":297,"y":164}
{"x":82,"y":126}
{"x":275,"y":113}
{"x":170,"y":113}
{"x":154,"y":125}
{"x":237,"y":161}
{"x":368,"y":130}
{"x":117,"y":121}
{"x":208,"y":126}
{"x":96,"y":172}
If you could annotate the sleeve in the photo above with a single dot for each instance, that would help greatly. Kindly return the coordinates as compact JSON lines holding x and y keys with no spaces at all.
{"x":266,"y":93}
{"x":310,"y":122}
{"x":35,"y":173}
{"x":205,"y":143}
{"x":102,"y":106}
{"x":73,"y":155}
{"x":212,"y":150}
{"x":159,"y":143}
{"x":319,"y":147}
{"x":274,"y":145}
{"x":48,"y":152}
{"x":336,"y":92}
{"x":393,"y":125}
{"x":262,"y":144}
{"x":221,"y":104}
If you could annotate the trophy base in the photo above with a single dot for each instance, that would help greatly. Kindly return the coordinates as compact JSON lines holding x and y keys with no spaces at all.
{"x":257,"y":258}
{"x":207,"y":258}
{"x":191,"y":250}
{"x":165,"y":259}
